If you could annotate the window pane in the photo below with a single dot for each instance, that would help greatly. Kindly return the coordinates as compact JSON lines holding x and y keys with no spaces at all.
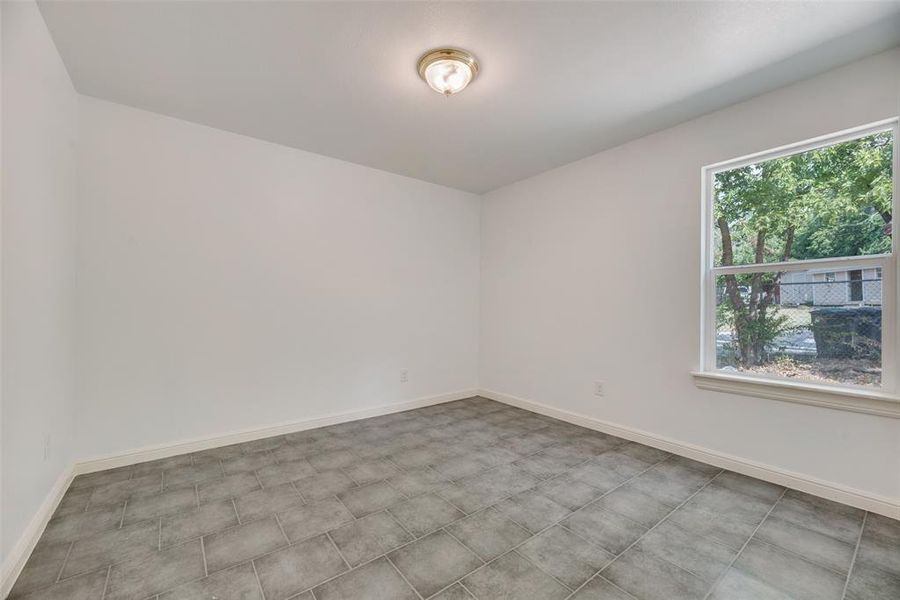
{"x":810,"y":325}
{"x":824,"y":203}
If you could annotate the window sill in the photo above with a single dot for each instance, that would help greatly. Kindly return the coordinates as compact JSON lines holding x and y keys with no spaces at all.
{"x":855,"y":400}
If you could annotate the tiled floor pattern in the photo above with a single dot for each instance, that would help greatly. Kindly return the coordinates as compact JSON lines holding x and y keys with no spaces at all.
{"x":469,"y":499}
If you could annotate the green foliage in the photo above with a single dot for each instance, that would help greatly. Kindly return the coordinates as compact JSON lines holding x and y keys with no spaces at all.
{"x":836,"y":200}
{"x":828,"y":202}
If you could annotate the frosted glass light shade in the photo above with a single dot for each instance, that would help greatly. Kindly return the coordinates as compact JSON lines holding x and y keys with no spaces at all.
{"x":448,"y":71}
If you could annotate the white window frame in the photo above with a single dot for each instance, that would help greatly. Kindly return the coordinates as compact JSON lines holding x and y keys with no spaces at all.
{"x":883,"y":400}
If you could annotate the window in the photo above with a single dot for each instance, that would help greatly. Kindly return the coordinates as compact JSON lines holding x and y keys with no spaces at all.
{"x":795,"y":244}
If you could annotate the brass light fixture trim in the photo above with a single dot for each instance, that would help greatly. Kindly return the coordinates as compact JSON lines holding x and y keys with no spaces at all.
{"x":456,"y":55}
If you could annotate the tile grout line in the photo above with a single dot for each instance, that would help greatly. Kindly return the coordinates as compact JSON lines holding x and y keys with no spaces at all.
{"x":539,"y":481}
{"x":237,"y":515}
{"x":62,"y":567}
{"x":262,"y":592}
{"x":203,"y":553}
{"x":741,"y":551}
{"x":341,"y":554}
{"x":643,"y":535}
{"x":122,"y":520}
{"x":403,"y":577}
{"x":541,"y":531}
{"x":862,"y":528}
{"x":106,"y":582}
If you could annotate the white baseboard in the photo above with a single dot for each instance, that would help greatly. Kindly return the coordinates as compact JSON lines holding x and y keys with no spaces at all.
{"x":19,"y":554}
{"x":173,"y":449}
{"x":882,"y":505}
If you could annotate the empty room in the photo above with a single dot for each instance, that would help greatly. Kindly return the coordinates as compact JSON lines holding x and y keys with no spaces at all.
{"x":486,"y":300}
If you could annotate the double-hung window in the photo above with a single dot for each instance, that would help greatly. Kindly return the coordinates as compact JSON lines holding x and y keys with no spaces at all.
{"x":799,"y":272}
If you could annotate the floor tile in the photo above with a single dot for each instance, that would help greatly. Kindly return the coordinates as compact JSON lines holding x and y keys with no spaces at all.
{"x":434,"y":562}
{"x":494,"y":456}
{"x":120,"y":491}
{"x":284,"y":472}
{"x":367,"y":538}
{"x":215,"y":455}
{"x":370,"y":471}
{"x":69,"y":528}
{"x":867,"y":583}
{"x":91,"y":480}
{"x":789,"y":573}
{"x":879,"y":546}
{"x":500,"y":482}
{"x":262,"y":503}
{"x":424,"y":514}
{"x":569,"y":558}
{"x":811,"y":545}
{"x":189,"y":475}
{"x":512,"y":577}
{"x":533,"y":510}
{"x":750,"y":486}
{"x":736,"y":585}
{"x":610,"y":469}
{"x":158,"y":466}
{"x":542,"y":465}
{"x":418,"y":457}
{"x":651,"y":456}
{"x":209,"y":518}
{"x":634,"y":504}
{"x":512,"y":478}
{"x":235,"y":545}
{"x":336,"y":459}
{"x":377,"y":580}
{"x":569,"y":492}
{"x":417,"y":481}
{"x":42,"y":569}
{"x":489,"y":533}
{"x":705,"y":558}
{"x":248,"y":463}
{"x":611,"y":531}
{"x":147,"y":576}
{"x":466,"y":498}
{"x":227,"y":487}
{"x":299,"y":567}
{"x":158,"y":505}
{"x":723,"y":515}
{"x":314,"y":518}
{"x":651,"y":578}
{"x":83,"y":587}
{"x":236,"y":583}
{"x":670,"y":483}
{"x":74,"y":501}
{"x":323,"y":485}
{"x":269,"y":443}
{"x":826,"y":517}
{"x":115,"y":545}
{"x":457,"y":467}
{"x":599,"y":588}
{"x":454,"y":592}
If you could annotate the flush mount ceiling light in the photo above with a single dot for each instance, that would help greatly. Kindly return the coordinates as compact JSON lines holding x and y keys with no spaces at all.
{"x":448,"y":70}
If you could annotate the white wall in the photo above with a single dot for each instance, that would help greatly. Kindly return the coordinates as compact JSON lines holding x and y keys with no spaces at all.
{"x":38,"y":219}
{"x":226,"y":283}
{"x":591,"y":272}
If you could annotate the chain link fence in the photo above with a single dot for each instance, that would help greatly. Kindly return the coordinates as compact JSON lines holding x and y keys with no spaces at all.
{"x":815,"y":325}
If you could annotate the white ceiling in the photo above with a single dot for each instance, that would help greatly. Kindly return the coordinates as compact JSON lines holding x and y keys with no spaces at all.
{"x":559,"y":80}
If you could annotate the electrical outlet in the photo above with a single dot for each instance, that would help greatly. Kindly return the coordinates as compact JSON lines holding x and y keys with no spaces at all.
{"x":46,"y":446}
{"x":599,"y":388}
{"x":404,"y":375}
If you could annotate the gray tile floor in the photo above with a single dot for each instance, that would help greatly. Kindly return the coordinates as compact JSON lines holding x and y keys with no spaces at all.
{"x":470,"y":499}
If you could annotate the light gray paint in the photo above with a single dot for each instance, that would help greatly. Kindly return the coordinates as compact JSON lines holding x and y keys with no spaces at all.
{"x":560,"y":81}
